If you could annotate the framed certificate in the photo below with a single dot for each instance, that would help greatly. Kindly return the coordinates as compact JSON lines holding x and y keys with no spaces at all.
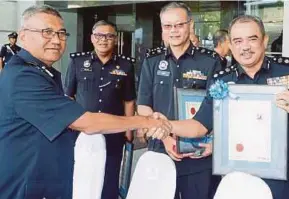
{"x":125,"y":173}
{"x":187,"y":104}
{"x":250,"y":132}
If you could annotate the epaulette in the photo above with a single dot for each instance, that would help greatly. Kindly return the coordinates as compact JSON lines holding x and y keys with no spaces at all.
{"x":155,"y":51}
{"x":281,"y":60}
{"x":225,"y":71}
{"x":79,"y":54}
{"x":206,"y":51}
{"x":131,"y":59}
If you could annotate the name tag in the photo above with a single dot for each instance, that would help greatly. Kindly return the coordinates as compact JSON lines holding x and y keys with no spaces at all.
{"x":163,"y":73}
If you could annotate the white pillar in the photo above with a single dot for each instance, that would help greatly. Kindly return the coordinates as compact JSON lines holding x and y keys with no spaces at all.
{"x":285,"y":48}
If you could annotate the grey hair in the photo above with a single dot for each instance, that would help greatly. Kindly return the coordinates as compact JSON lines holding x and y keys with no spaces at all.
{"x":104,"y":23}
{"x":220,"y":36}
{"x":36,"y":9}
{"x":246,"y":19}
{"x":174,"y":5}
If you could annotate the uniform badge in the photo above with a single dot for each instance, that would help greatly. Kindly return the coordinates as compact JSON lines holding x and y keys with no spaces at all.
{"x":278,"y":81}
{"x":118,"y":72}
{"x":194,"y":74}
{"x":86,"y":64}
{"x":163,"y":65}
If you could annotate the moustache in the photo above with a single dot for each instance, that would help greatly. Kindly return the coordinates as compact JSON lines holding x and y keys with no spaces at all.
{"x":247,"y":52}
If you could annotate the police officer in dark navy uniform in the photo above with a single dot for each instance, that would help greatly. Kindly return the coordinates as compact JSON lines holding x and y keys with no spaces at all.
{"x":248,"y":44}
{"x":104,"y":82}
{"x":221,"y":46}
{"x":180,"y":65}
{"x":36,"y":143}
{"x":8,"y":50}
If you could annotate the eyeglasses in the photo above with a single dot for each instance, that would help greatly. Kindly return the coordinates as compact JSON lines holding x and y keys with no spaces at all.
{"x":177,"y":26}
{"x":48,"y":33}
{"x":108,"y":36}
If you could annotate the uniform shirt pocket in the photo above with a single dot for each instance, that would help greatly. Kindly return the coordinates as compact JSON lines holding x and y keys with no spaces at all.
{"x":86,"y":81}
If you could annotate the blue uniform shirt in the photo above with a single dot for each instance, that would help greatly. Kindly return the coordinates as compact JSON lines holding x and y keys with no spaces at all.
{"x":102,"y":87}
{"x":7,"y":51}
{"x":36,"y":147}
{"x":236,"y":73}
{"x":161,"y":72}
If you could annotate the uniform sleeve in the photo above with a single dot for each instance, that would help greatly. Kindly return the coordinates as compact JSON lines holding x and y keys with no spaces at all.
{"x":129,"y":85}
{"x":35,"y":99}
{"x":70,"y":83}
{"x":3,"y":51}
{"x":205,"y":113}
{"x":145,"y":90}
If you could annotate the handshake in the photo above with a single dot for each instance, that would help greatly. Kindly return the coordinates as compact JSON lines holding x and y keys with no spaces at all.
{"x":158,"y":127}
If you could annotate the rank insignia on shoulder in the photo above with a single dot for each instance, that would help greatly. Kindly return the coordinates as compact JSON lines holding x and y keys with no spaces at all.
{"x":224,"y":72}
{"x":131,"y":59}
{"x":79,"y":54}
{"x":281,"y":60}
{"x":155,"y":51}
{"x":118,"y":72}
{"x":206,"y":51}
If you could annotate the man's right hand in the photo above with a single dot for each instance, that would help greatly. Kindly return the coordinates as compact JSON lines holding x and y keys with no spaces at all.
{"x":171,"y":148}
{"x":159,"y":128}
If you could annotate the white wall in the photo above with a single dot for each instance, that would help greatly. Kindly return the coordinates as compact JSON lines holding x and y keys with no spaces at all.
{"x":11,"y":12}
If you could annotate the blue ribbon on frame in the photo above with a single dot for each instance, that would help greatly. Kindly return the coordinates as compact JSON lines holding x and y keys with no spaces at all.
{"x":220,"y":90}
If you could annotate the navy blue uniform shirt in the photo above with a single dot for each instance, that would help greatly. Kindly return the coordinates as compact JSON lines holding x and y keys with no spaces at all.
{"x":102,"y":87}
{"x":7,"y":51}
{"x":236,"y":73}
{"x":36,"y":147}
{"x":160,"y":73}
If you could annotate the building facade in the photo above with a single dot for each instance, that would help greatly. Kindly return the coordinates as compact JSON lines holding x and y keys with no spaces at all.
{"x":139,"y":25}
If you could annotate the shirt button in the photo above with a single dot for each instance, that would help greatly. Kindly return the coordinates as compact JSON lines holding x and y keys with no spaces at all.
{"x":177,"y":80}
{"x":100,"y":100}
{"x":102,"y":68}
{"x":84,"y":78}
{"x":99,"y":111}
{"x":118,"y":80}
{"x":178,"y":66}
{"x":161,"y":82}
{"x":101,"y":78}
{"x":100,"y":89}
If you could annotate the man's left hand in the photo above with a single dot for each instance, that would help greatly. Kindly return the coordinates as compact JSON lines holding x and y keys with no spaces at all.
{"x":208,"y":151}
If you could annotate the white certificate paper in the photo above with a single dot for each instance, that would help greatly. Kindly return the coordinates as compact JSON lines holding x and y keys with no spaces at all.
{"x":192,"y":105}
{"x":250,"y":130}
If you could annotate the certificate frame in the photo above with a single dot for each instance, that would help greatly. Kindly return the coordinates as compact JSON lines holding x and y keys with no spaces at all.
{"x":126,"y":167}
{"x":276,"y":166}
{"x":187,"y":104}
{"x":183,"y":96}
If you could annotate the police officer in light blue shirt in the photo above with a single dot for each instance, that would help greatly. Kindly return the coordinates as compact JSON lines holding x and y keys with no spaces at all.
{"x":248,"y":43}
{"x":102,"y":81}
{"x":8,"y":50}
{"x":36,"y":143}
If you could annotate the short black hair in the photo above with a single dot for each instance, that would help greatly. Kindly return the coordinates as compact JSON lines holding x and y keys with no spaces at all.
{"x":220,"y":36}
{"x":104,"y":23}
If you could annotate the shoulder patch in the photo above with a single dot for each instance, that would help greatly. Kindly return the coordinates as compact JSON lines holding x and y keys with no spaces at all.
{"x":281,"y":60}
{"x":79,"y":54}
{"x":206,"y":51}
{"x":131,"y":59}
{"x":155,"y":51}
{"x":225,"y":71}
